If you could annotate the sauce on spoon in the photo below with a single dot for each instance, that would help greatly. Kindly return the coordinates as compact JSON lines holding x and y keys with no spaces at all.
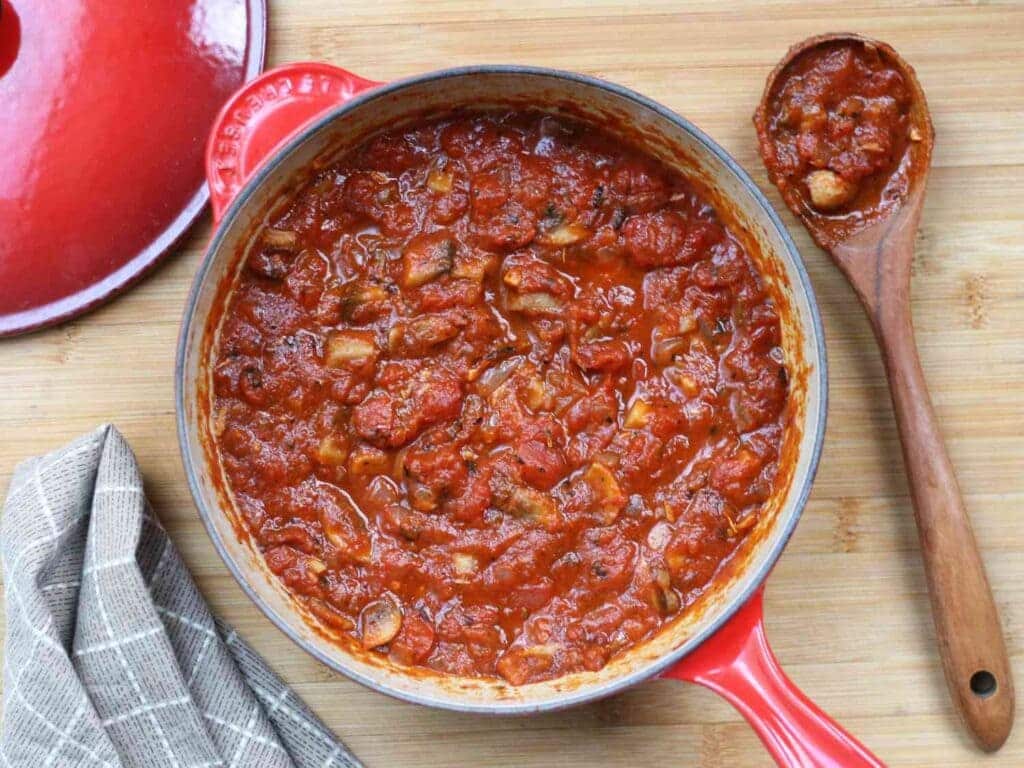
{"x":845,"y":133}
{"x":839,"y":137}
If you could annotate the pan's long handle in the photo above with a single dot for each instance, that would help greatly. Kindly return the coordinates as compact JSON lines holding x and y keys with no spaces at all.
{"x":737,"y":663}
{"x":263,"y":114}
{"x":967,"y":624}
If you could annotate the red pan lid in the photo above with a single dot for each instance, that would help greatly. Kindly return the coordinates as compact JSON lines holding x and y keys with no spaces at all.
{"x":105,"y":107}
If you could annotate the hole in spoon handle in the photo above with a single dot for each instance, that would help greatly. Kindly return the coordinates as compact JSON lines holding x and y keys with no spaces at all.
{"x":967,"y":626}
{"x":983,"y":684}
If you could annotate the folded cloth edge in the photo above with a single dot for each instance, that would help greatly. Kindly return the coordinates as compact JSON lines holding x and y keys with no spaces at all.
{"x":111,"y":654}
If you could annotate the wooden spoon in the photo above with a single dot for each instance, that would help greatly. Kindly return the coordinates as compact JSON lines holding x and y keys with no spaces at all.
{"x":874,"y":249}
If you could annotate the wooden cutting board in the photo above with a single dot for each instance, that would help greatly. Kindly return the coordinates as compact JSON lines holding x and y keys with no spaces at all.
{"x":847,"y":609}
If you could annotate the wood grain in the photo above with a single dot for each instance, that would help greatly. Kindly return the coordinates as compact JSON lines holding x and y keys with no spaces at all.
{"x":877,"y":261}
{"x":847,"y":605}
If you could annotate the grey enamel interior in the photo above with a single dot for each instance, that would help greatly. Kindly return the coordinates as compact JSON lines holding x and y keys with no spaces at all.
{"x":665,"y":133}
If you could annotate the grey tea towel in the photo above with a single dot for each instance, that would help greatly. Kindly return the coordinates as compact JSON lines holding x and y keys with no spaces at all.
{"x":112,"y":656}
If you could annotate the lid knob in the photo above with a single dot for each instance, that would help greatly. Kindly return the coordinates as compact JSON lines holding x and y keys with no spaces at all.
{"x":10,"y":36}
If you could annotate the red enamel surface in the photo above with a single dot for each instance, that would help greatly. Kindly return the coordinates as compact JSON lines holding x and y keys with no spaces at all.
{"x":266,"y":113}
{"x":106,"y":105}
{"x":738,"y":664}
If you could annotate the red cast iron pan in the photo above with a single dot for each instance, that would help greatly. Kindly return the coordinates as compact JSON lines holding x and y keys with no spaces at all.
{"x":273,"y":128}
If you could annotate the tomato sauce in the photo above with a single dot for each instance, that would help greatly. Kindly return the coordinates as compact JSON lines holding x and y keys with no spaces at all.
{"x":836,"y":131}
{"x":498,"y":395}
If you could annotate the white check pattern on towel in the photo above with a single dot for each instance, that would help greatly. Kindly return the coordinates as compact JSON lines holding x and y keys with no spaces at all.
{"x":112,"y":656}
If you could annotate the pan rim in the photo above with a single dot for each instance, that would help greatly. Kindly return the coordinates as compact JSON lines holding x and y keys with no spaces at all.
{"x":755,"y":578}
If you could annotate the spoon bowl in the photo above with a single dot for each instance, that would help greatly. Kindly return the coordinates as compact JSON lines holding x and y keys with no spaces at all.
{"x":906,"y":187}
{"x":871,"y":240}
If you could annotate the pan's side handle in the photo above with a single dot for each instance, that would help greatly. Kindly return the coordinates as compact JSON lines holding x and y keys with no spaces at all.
{"x":263,"y":114}
{"x":737,"y":663}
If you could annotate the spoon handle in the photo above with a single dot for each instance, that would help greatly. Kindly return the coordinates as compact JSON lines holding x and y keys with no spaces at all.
{"x":967,"y":624}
